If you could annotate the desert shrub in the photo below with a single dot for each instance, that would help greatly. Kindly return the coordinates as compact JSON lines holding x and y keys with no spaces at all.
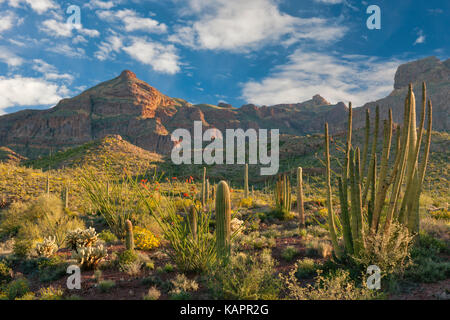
{"x":317,"y":231}
{"x":47,"y":248}
{"x":17,"y":288}
{"x":81,"y":238}
{"x":51,"y":293}
{"x":129,"y":262}
{"x":318,"y":248}
{"x":107,"y":236}
{"x":38,"y":219}
{"x":289,"y":253}
{"x":51,"y":269}
{"x":5,"y":273}
{"x":90,"y":257}
{"x":247,"y":277}
{"x":392,"y":255}
{"x":427,"y":263}
{"x":255,"y":240}
{"x":282,"y":214}
{"x":306,"y":268}
{"x":23,"y":248}
{"x":106,"y":285}
{"x":152,"y":294}
{"x":144,"y":239}
{"x":182,"y":286}
{"x":27,"y":296}
{"x":335,"y":286}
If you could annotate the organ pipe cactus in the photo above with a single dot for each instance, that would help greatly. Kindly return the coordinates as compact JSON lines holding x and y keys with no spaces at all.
{"x":283,"y":198}
{"x":223,"y":219}
{"x":129,"y":238}
{"x":204,"y":188}
{"x":300,"y":206}
{"x":192,"y":219}
{"x":377,"y":197}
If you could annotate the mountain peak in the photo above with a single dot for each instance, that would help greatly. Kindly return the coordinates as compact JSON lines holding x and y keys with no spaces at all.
{"x":127,"y":74}
{"x":319,"y":100}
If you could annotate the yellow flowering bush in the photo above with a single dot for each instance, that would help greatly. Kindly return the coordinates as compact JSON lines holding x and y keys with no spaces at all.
{"x":144,"y":239}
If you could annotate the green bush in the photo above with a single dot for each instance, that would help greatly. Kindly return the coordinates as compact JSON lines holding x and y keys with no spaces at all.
{"x":289,"y":253}
{"x":38,"y":219}
{"x":108,"y":236}
{"x":106,"y":285}
{"x":17,"y":288}
{"x":5,"y":273}
{"x":334,"y":286}
{"x":51,"y":293}
{"x":306,"y":268}
{"x":247,"y":277}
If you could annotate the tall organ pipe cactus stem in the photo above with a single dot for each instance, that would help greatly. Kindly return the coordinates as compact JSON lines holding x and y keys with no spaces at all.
{"x":331,"y":218}
{"x":300,"y":205}
{"x":223,"y":219}
{"x":388,"y":193}
{"x":204,"y":187}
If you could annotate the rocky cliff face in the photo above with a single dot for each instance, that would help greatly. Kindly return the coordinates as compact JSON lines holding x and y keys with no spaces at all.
{"x":435,"y":73}
{"x":142,"y":115}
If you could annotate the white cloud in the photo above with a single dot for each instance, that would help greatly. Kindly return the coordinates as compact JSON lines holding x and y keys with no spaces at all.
{"x":97,"y":4}
{"x":132,"y":21}
{"x":162,"y":58}
{"x":25,"y":91}
{"x":11,"y":59}
{"x":8,"y":19}
{"x":420,"y":38}
{"x":50,"y":72}
{"x":241,"y":25}
{"x":358,"y":79}
{"x":67,"y":51}
{"x":39,"y":6}
{"x":63,"y":29}
{"x":107,"y":48}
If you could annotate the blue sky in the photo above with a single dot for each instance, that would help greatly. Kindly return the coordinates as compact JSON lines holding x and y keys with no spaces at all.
{"x":209,"y":51}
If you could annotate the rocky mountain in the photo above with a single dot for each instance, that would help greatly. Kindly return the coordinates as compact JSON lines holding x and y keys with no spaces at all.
{"x":435,"y":73}
{"x":145,"y":117}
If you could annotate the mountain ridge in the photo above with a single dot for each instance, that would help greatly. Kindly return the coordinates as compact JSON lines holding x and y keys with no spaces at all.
{"x":142,"y":115}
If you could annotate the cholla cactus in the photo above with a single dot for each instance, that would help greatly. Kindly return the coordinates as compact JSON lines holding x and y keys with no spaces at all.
{"x":47,"y":248}
{"x":81,"y":238}
{"x":90,"y":257}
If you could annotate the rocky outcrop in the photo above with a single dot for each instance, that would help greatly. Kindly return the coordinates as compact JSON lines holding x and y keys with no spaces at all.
{"x":435,"y":73}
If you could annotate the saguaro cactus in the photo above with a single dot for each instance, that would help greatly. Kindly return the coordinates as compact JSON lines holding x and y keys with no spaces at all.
{"x":223,"y":219}
{"x":129,"y":238}
{"x":300,"y":206}
{"x":246,"y":190}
